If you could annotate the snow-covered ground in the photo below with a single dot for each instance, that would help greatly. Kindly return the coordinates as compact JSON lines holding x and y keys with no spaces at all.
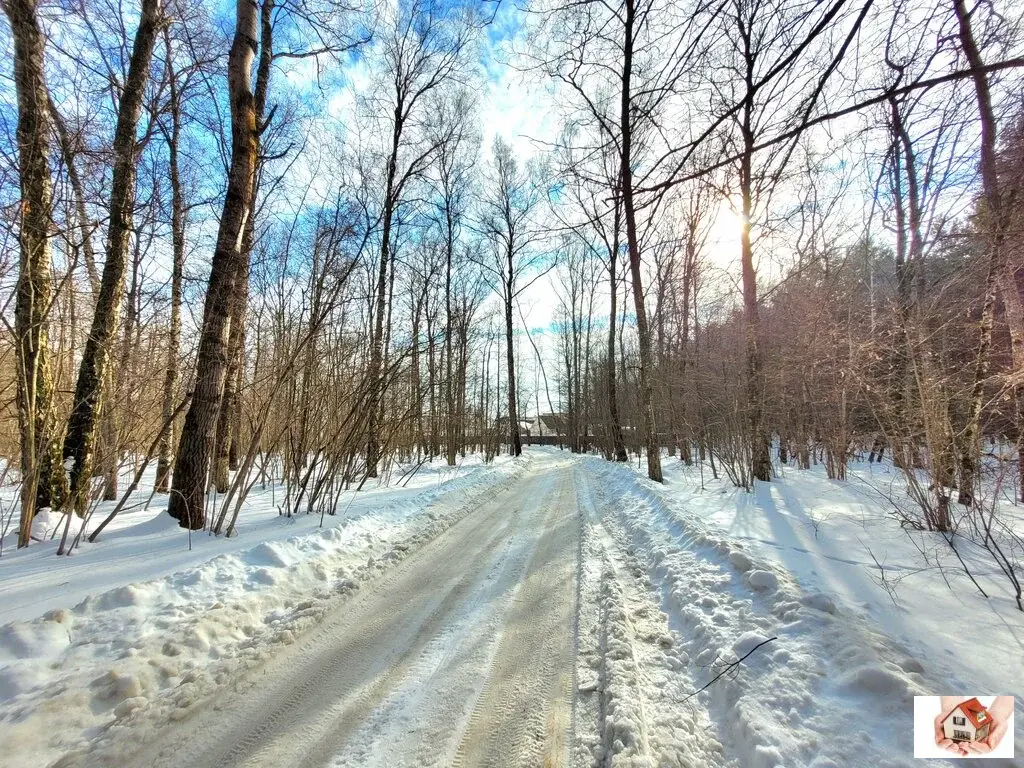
{"x":855,"y":640}
{"x":431,"y":621}
{"x":459,"y":653}
{"x":89,"y":638}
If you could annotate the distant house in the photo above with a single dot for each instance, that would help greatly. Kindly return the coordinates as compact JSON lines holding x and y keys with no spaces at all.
{"x":556,"y":424}
{"x":543,"y":429}
{"x":501,"y":425}
{"x":970,"y":721}
{"x":547,"y":425}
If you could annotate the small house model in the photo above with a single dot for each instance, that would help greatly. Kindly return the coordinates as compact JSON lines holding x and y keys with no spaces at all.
{"x":970,"y":721}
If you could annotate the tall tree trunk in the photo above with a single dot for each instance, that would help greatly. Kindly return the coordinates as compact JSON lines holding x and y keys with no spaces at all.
{"x":79,"y":441}
{"x":230,"y":403}
{"x":166,"y":444}
{"x":462,"y":376}
{"x":53,"y":491}
{"x":376,"y":402}
{"x":451,"y":443}
{"x":760,"y":456}
{"x":685,"y":444}
{"x":195,"y":449}
{"x":118,"y":387}
{"x":416,"y":391}
{"x":435,"y":446}
{"x":904,"y":448}
{"x":618,"y":444}
{"x":225,"y":440}
{"x":632,"y":240}
{"x":32,"y":303}
{"x":1000,"y":273}
{"x":514,"y":440}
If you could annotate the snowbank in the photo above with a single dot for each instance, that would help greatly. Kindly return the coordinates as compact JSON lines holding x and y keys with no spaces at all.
{"x":170,"y":639}
{"x":838,"y":541}
{"x":790,"y":701}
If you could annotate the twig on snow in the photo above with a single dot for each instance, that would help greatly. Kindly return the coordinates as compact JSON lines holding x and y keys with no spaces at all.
{"x":731,"y":667}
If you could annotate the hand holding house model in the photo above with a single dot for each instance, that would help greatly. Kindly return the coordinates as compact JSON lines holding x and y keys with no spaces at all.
{"x":970,"y":721}
{"x":968,"y":728}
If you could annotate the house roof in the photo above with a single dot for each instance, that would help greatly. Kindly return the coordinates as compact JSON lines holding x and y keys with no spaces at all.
{"x":975,"y":712}
{"x":555,"y":422}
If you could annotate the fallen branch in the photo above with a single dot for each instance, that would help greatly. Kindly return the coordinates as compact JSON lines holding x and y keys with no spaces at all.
{"x":731,"y":667}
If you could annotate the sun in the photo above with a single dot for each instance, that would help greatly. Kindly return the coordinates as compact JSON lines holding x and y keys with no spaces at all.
{"x":725,"y":234}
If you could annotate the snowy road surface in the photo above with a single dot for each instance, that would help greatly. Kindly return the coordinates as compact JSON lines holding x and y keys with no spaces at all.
{"x":460,"y":655}
{"x":554,"y":610}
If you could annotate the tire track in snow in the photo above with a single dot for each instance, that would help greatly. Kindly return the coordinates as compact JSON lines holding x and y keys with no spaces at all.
{"x":641,"y":671}
{"x":419,"y":710}
{"x":523,"y":714}
{"x":453,"y":618}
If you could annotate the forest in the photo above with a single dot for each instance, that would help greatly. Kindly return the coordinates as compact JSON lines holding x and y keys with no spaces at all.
{"x":308,"y":239}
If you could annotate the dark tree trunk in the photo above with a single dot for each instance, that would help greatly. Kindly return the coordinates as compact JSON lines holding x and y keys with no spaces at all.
{"x":761,"y":462}
{"x":376,"y":402}
{"x":225,"y":440}
{"x":54,"y":490}
{"x":32,"y":302}
{"x":435,"y":446}
{"x":414,"y":378}
{"x":514,"y":440}
{"x":904,"y":452}
{"x":195,"y":449}
{"x":79,"y":441}
{"x":632,"y":239}
{"x":618,"y":444}
{"x":686,"y":451}
{"x":163,"y":466}
{"x":230,"y":403}
{"x":451,"y":422}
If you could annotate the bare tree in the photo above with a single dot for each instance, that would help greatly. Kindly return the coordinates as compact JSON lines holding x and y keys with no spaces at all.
{"x":453,"y":177}
{"x":187,"y":501}
{"x":623,"y":63}
{"x":508,"y":220}
{"x":32,"y":304}
{"x":228,"y":415}
{"x":1001,"y":274}
{"x":89,"y":389}
{"x":423,"y":53}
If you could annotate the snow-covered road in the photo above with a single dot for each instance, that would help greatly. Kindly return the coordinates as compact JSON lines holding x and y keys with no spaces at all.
{"x":462,"y":654}
{"x":555,"y":610}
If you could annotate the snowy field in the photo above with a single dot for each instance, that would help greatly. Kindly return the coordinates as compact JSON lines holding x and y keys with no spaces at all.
{"x":810,"y":615}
